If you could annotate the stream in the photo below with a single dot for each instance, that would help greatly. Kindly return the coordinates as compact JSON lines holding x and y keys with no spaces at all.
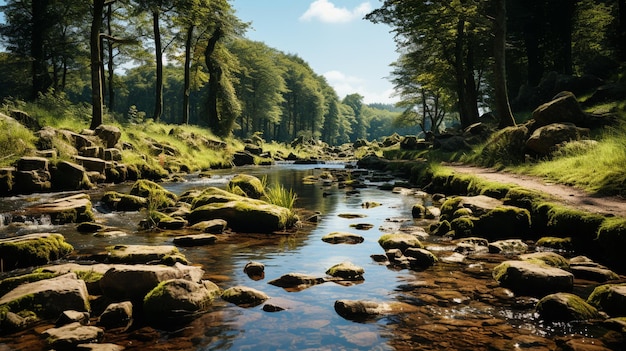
{"x":456,"y":304}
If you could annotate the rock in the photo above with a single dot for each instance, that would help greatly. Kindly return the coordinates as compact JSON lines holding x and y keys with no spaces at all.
{"x":89,"y":227}
{"x":33,"y":250}
{"x":109,"y":135}
{"x":253,"y":149}
{"x":360,"y":310}
{"x":178,"y":298}
{"x":71,"y":316}
{"x":610,"y":298}
{"x":545,"y":139}
{"x":565,"y":307}
{"x":555,"y":243}
{"x":254,"y":270}
{"x":99,"y":347}
{"x":133,"y":282}
{"x":525,"y":277}
{"x":347,"y":271}
{"x":130,"y":254}
{"x":25,"y":119}
{"x":154,"y":192}
{"x":28,"y":182}
{"x":296,"y":281}
{"x":251,"y":186}
{"x":400,"y":241}
{"x":31,"y":163}
{"x":550,"y":258}
{"x":110,"y":234}
{"x":564,"y":108}
{"x":471,"y":245}
{"x":195,"y":240}
{"x":124,"y":202}
{"x":503,"y":222}
{"x":479,"y":205}
{"x":253,"y":216}
{"x":418,"y":211}
{"x":244,"y":296}
{"x":215,"y":226}
{"x":7,"y":174}
{"x":170,"y":223}
{"x":70,"y":176}
{"x":117,"y":315}
{"x":593,"y":273}
{"x":112,"y":154}
{"x":71,"y":209}
{"x":242,"y":158}
{"x":93,"y":164}
{"x":48,"y":297}
{"x":509,"y":246}
{"x":69,"y":336}
{"x":420,"y":258}
{"x":342,"y":238}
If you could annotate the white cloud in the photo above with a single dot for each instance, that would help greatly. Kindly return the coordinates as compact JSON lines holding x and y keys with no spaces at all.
{"x":326,"y":11}
{"x":346,"y":85}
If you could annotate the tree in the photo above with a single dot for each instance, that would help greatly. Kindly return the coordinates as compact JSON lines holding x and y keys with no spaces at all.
{"x":503,"y":108}
{"x":359,"y":127}
{"x":96,"y":62}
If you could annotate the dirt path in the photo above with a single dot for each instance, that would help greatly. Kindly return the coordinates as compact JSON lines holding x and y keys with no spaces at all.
{"x":567,"y":195}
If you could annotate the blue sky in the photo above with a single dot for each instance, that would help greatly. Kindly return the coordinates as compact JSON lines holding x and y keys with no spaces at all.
{"x":332,"y":36}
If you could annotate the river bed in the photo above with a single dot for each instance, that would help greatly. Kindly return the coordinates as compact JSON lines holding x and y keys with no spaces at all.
{"x":457,"y":306}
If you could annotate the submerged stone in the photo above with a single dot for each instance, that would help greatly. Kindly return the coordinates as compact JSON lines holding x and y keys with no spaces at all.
{"x":342,"y":238}
{"x":244,"y":296}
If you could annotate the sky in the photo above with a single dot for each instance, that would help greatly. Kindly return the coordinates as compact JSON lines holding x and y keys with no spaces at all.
{"x":332,"y":37}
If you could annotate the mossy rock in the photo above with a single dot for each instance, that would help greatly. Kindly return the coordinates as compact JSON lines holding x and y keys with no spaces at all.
{"x":521,"y":197}
{"x":124,"y":202}
{"x":533,"y":279}
{"x":401,"y":241}
{"x":550,"y":258}
{"x":251,"y":186}
{"x":551,"y":242}
{"x":463,"y":226}
{"x":33,"y":250}
{"x":565,"y":307}
{"x":610,"y":298}
{"x":346,"y":270}
{"x":178,"y":298}
{"x":564,"y":222}
{"x":449,"y":207}
{"x":134,"y":254}
{"x":612,"y":240}
{"x":11,"y":283}
{"x":504,"y":222}
{"x":246,"y":216}
{"x":418,"y":211}
{"x":441,"y":229}
{"x":71,"y":209}
{"x":244,"y":296}
{"x":157,"y":196}
{"x":215,"y":195}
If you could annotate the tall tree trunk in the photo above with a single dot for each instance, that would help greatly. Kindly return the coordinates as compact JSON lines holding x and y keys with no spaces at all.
{"x":96,"y":80}
{"x":464,"y":105}
{"x":187,"y":82}
{"x":158,"y":94}
{"x":215,"y":75}
{"x":533,"y":53}
{"x":41,"y":78}
{"x":503,"y":108}
{"x":110,"y":66}
{"x":621,"y":30}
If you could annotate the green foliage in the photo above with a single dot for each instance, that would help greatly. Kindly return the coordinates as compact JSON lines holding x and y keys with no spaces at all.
{"x":280,"y":196}
{"x":15,"y":141}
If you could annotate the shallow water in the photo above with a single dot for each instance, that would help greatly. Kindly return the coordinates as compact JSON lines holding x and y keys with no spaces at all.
{"x":458,"y":306}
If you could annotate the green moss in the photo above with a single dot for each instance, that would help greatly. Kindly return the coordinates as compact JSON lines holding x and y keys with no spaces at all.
{"x":604,"y":298}
{"x":565,"y":307}
{"x":500,"y":271}
{"x":612,"y":240}
{"x":33,"y":250}
{"x":251,"y":186}
{"x":462,"y":212}
{"x":555,"y":243}
{"x":400,"y":241}
{"x":449,"y":207}
{"x":89,"y":276}
{"x":246,"y":215}
{"x":157,"y":196}
{"x":521,"y":197}
{"x":548,"y":258}
{"x":504,"y":222}
{"x":9,"y":284}
{"x":463,"y":226}
{"x":441,"y":229}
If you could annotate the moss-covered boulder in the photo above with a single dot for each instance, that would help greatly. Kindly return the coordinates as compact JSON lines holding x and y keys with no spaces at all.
{"x":612,"y":239}
{"x":33,"y":250}
{"x":552,"y":259}
{"x":478,"y":205}
{"x":296,"y":281}
{"x":251,"y":216}
{"x":133,"y":282}
{"x":584,"y":268}
{"x":420,"y":258}
{"x":117,"y":315}
{"x":347,"y":271}
{"x":504,"y":222}
{"x":215,"y":226}
{"x":610,"y":298}
{"x":195,"y":240}
{"x":509,"y":246}
{"x":250,"y":186}
{"x":178,"y":298}
{"x":555,"y":243}
{"x":48,"y":297}
{"x":528,"y":278}
{"x":565,"y":307}
{"x":401,"y":241}
{"x":131,"y":254}
{"x":361,"y":310}
{"x":124,"y":202}
{"x":71,"y":209}
{"x":244,"y":296}
{"x":157,"y":196}
{"x":69,"y":336}
{"x":342,"y":238}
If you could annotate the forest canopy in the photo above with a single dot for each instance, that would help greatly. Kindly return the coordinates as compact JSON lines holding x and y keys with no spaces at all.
{"x":188,"y":62}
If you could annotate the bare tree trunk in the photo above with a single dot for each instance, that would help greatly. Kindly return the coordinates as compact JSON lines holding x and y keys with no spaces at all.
{"x":41,"y":78}
{"x":503,"y":108}
{"x":215,"y":75}
{"x":158,"y":97}
{"x":187,"y":83}
{"x":96,"y":80}
{"x":110,"y":66}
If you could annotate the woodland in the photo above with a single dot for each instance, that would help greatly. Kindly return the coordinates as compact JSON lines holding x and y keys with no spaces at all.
{"x":188,"y":62}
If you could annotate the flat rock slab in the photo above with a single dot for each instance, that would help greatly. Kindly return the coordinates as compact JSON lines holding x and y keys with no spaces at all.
{"x":342,"y":238}
{"x":195,"y":240}
{"x":524,"y":277}
{"x":71,"y":209}
{"x":130,"y":254}
{"x":49,"y":297}
{"x":69,"y":336}
{"x":33,"y":250}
